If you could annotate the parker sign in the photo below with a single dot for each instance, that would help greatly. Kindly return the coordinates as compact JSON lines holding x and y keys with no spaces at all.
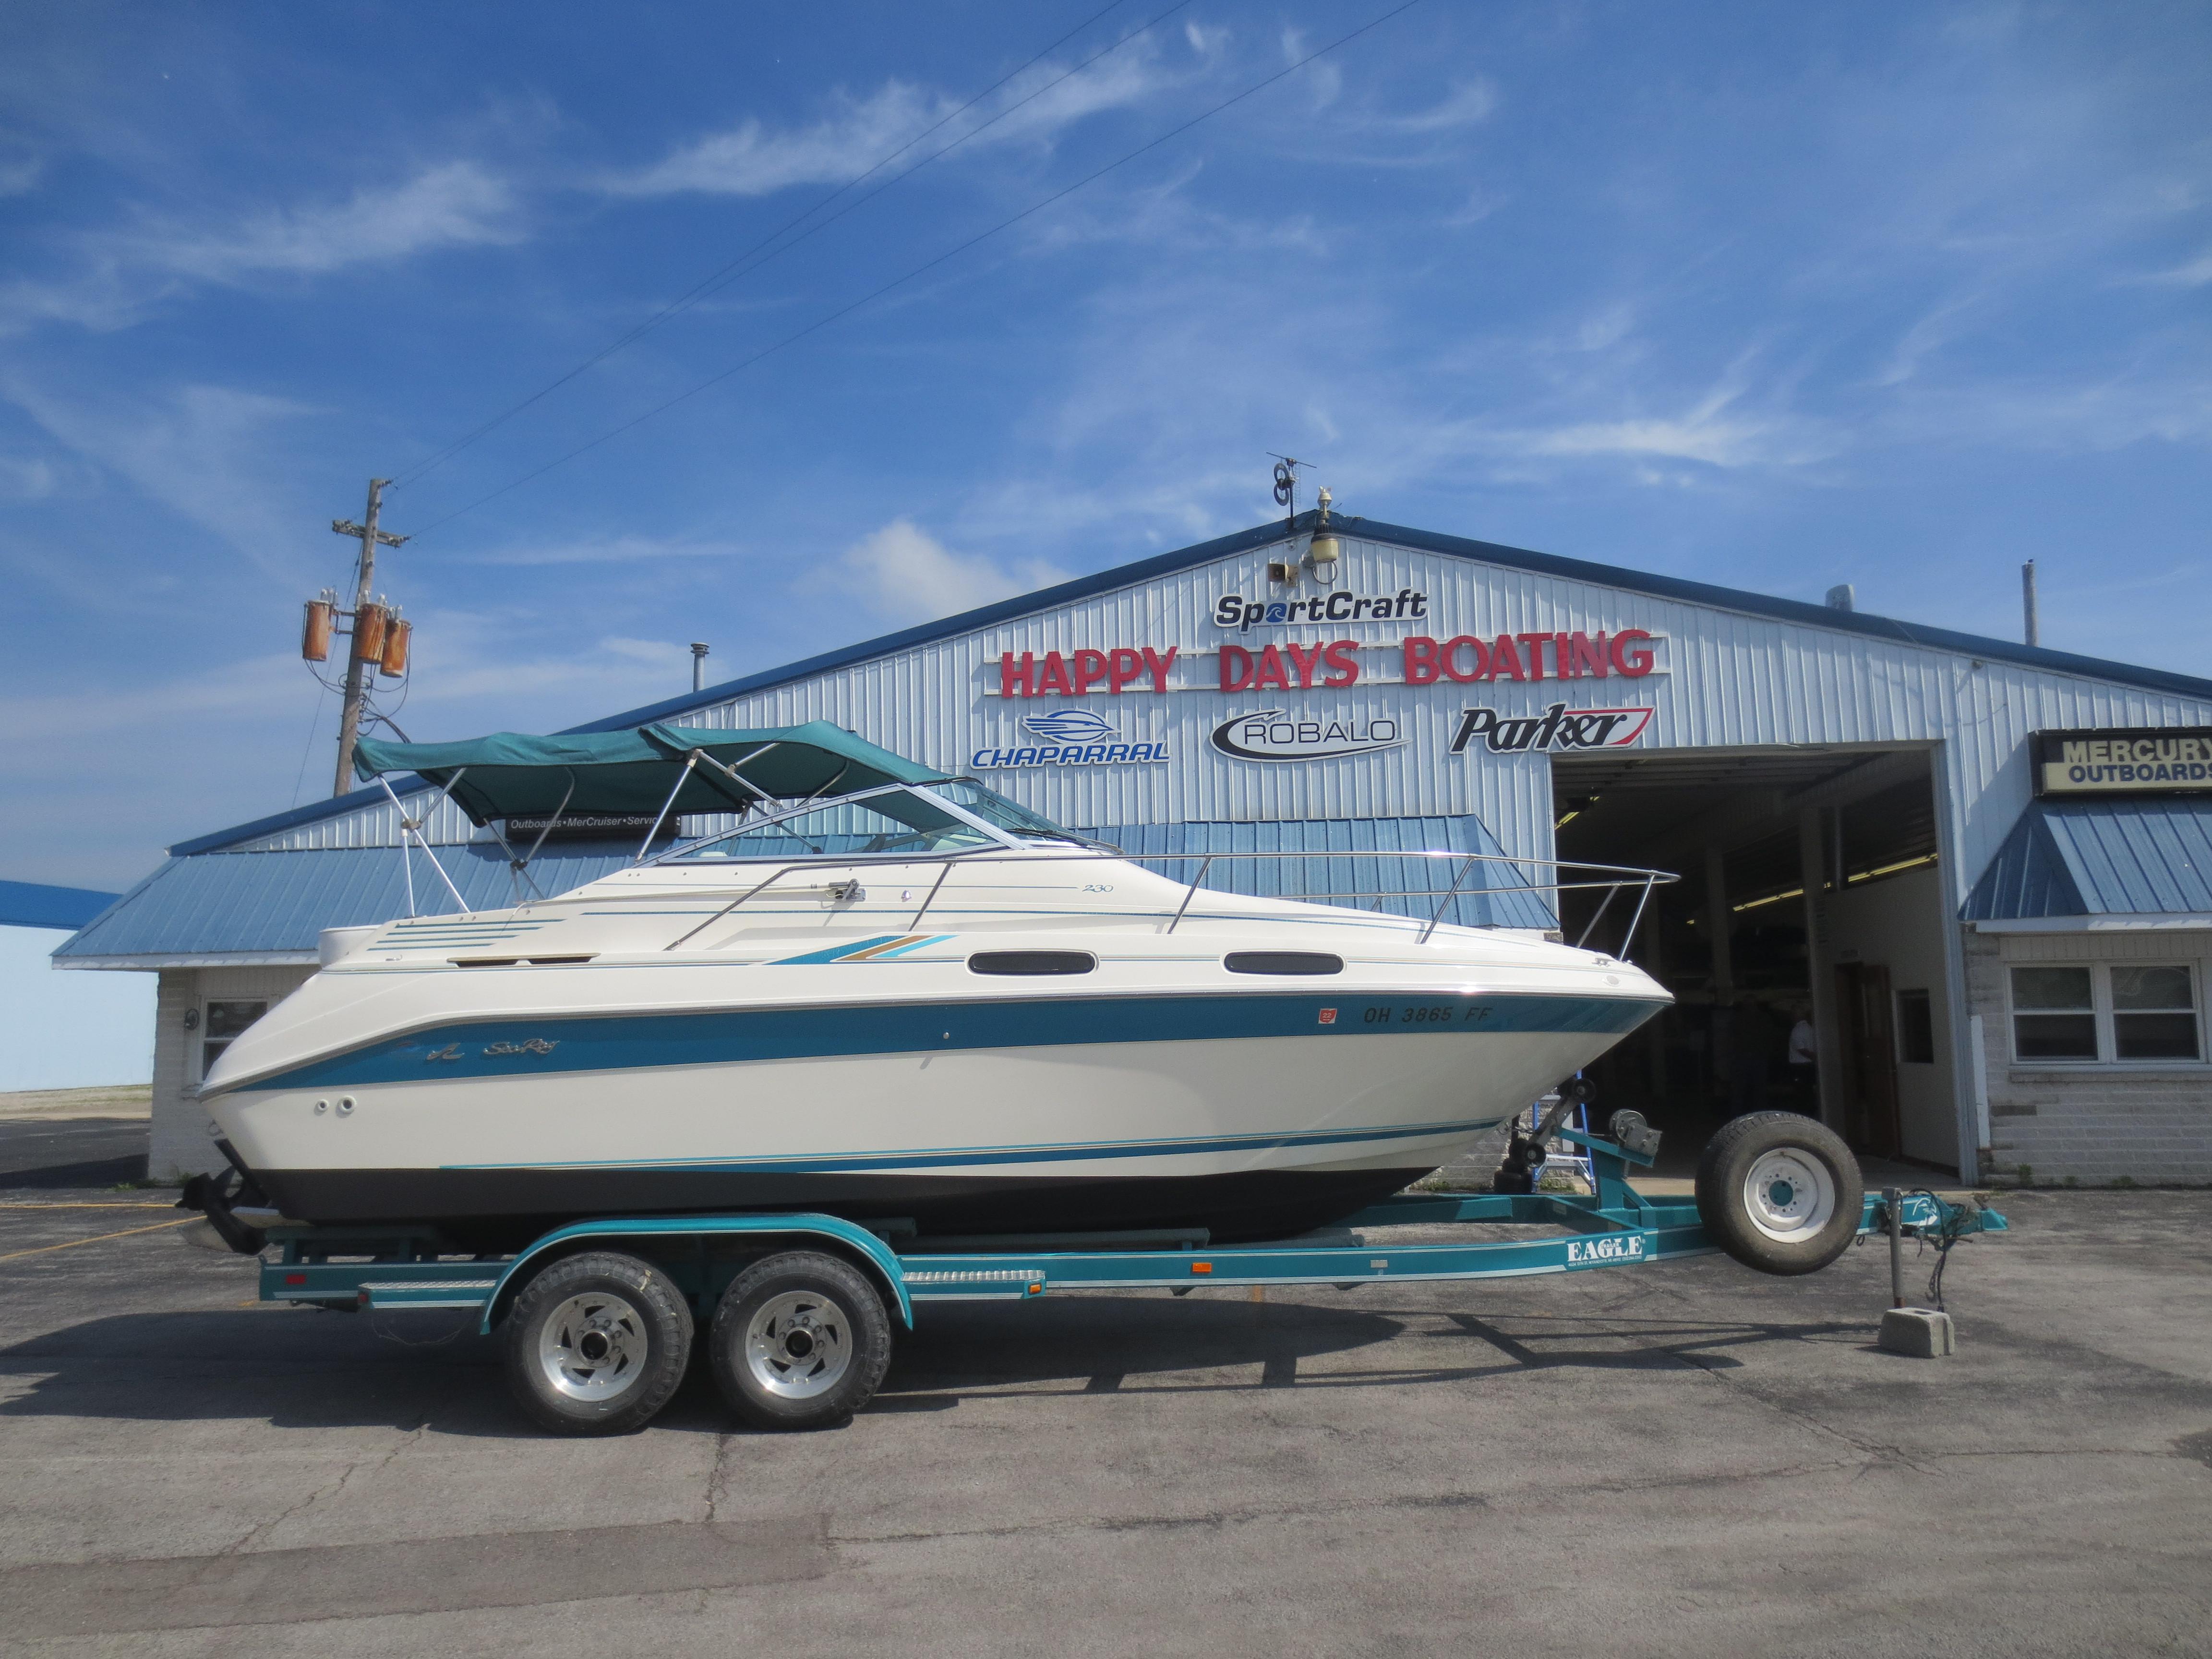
{"x":1273,"y":734}
{"x":1557,"y":728}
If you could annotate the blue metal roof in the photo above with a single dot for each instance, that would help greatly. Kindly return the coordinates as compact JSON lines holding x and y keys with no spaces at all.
{"x":215,"y":904}
{"x":2087,"y":858}
{"x":1244,"y":541}
{"x":32,"y":904}
{"x":1295,"y":878}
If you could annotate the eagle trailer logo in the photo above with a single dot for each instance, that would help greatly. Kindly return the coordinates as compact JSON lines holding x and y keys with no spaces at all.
{"x":1595,"y":1252}
{"x":1272,"y":734}
{"x":1069,"y":737}
{"x":1557,"y":728}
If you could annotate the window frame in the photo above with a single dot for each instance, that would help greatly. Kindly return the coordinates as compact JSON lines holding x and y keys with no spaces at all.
{"x":2107,"y":1057}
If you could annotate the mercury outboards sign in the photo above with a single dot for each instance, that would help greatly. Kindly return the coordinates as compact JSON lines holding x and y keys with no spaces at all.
{"x":1557,"y":728}
{"x":1271,"y":735}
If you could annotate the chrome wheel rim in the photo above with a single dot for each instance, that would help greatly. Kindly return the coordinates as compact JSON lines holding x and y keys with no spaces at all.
{"x":593,"y":1347}
{"x":1789,"y":1195}
{"x":798,"y":1345}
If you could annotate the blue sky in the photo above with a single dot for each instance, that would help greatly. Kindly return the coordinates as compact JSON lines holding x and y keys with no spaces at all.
{"x":1772,"y":296}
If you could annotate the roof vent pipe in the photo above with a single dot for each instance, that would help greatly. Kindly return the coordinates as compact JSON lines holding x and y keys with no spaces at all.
{"x":1843,"y":597}
{"x":2032,"y":623}
{"x":698,"y":664}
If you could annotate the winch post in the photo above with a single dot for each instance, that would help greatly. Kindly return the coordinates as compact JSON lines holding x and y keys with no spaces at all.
{"x":1892,"y":1204}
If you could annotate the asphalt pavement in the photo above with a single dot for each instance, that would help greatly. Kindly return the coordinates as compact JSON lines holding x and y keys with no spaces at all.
{"x":78,"y":1152}
{"x":1680,"y":1457}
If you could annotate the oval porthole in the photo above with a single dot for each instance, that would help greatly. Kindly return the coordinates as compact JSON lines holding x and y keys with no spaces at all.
{"x":1282,"y":962}
{"x":1031,"y":962}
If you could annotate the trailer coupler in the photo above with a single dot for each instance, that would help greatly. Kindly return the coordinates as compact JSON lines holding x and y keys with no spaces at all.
{"x":215,"y":1197}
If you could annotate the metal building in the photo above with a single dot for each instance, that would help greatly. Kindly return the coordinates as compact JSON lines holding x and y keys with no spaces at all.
{"x":1978,"y":870}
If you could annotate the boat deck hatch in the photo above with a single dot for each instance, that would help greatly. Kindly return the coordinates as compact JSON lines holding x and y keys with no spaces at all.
{"x":517,"y":962}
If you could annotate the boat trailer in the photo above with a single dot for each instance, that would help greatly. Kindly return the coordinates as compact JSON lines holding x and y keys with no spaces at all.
{"x":594,"y":1309}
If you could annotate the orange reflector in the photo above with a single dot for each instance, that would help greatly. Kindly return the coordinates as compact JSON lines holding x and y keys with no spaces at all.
{"x":1036,"y":1290}
{"x":1201,"y":1266}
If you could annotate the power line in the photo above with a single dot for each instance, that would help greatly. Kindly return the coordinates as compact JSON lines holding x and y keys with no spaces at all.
{"x":821,"y":323}
{"x":723,"y":274}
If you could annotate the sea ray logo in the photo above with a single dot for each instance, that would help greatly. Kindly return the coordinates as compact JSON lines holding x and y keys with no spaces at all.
{"x":1071,"y":726}
{"x":1273,"y":734}
{"x":532,"y":1046}
{"x":1557,"y":728}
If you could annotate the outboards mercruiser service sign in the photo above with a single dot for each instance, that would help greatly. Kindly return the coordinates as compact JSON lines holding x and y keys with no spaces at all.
{"x":1272,"y":734}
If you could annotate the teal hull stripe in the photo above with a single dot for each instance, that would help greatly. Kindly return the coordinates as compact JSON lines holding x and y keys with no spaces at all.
{"x":621,"y":1042}
{"x":815,"y":1164}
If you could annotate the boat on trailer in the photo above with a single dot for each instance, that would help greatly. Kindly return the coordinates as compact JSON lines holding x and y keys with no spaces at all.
{"x":865,"y":989}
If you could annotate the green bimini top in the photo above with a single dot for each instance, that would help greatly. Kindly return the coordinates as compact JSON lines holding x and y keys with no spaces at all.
{"x":513,"y":775}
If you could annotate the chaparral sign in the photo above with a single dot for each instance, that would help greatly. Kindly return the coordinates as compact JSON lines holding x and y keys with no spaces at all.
{"x":1557,"y":728}
{"x":1272,"y":734}
{"x":1067,"y":737}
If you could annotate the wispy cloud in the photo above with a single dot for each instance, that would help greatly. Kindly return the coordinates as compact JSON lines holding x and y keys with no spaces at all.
{"x":455,"y":204}
{"x":202,"y":452}
{"x":1469,"y":103}
{"x":123,"y":272}
{"x":2194,"y":273}
{"x":855,"y":133}
{"x":905,"y":575}
{"x":611,"y":549}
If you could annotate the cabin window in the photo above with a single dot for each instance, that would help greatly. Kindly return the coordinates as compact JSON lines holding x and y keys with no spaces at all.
{"x":1031,"y":962}
{"x":1282,"y":962}
{"x":225,"y":1021}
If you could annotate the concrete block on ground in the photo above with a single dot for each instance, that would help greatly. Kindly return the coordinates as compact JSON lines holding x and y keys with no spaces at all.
{"x":1918,"y":1334}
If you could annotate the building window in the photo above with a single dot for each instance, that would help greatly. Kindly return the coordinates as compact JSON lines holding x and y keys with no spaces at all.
{"x":1916,"y":1029}
{"x":225,"y":1020}
{"x":2124,"y":1013}
{"x":2054,"y":1014}
{"x":2153,"y":1013}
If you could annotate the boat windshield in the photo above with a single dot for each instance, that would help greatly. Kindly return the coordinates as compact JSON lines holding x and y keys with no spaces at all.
{"x":882,"y":822}
{"x":1001,"y":813}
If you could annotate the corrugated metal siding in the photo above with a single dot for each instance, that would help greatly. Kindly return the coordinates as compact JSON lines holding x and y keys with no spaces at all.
{"x":1491,"y":895}
{"x":234,"y":903}
{"x":2100,"y":858}
{"x":1725,"y":678}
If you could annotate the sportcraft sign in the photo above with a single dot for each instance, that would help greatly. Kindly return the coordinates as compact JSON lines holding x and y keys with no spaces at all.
{"x":1274,"y":734}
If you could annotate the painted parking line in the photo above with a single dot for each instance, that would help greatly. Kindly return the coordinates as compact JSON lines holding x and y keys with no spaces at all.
{"x":98,"y":1237}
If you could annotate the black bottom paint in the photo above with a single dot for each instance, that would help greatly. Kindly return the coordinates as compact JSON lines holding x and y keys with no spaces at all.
{"x":491,"y":1209}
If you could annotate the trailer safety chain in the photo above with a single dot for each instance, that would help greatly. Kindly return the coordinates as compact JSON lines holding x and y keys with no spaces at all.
{"x":1952,"y":1223}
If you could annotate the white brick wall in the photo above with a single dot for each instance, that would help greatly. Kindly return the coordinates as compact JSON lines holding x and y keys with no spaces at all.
{"x":181,"y":1145}
{"x":2093,"y":1124}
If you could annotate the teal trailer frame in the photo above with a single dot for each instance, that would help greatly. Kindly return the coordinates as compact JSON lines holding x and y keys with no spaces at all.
{"x":1616,"y":1226}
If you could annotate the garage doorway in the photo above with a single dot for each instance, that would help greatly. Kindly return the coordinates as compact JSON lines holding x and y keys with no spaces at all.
{"x":1753,"y":961}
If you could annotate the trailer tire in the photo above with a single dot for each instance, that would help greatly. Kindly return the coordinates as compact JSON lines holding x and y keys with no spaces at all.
{"x":597,"y":1343}
{"x":800,"y":1341}
{"x":1780,"y":1192}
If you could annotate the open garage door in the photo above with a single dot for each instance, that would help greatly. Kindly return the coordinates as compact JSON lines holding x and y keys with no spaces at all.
{"x":1810,"y":907}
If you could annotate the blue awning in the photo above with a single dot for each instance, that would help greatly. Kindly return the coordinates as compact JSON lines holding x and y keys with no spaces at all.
{"x":2092,"y":858}
{"x":32,"y":904}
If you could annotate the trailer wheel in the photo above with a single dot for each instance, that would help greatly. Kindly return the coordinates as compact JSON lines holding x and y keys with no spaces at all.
{"x":1780,"y":1192}
{"x":800,"y":1341}
{"x":597,"y":1343}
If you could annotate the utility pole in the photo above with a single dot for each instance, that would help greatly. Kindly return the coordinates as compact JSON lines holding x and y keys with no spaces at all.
{"x":357,"y":668}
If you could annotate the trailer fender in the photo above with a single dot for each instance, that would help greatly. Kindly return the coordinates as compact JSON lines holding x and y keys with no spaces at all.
{"x":874,"y":1255}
